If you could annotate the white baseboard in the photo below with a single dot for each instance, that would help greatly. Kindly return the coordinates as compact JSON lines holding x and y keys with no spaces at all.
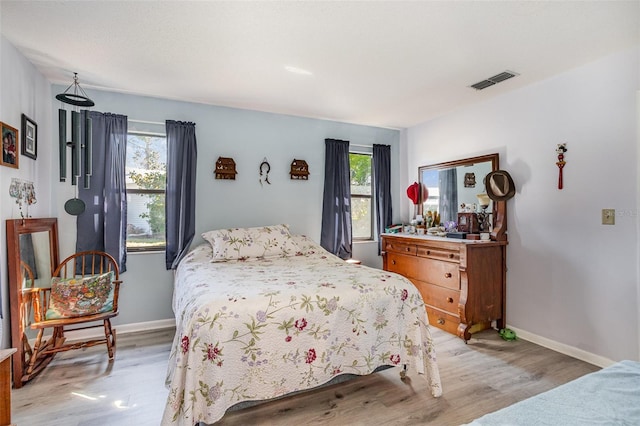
{"x":580,"y":354}
{"x":146,"y":326}
{"x":562,"y":348}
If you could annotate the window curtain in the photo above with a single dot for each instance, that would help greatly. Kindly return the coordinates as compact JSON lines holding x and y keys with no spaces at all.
{"x":180,"y":203}
{"x":382,"y":188}
{"x":448,"y":202}
{"x":103,"y":224}
{"x":336,"y":236}
{"x":28,"y":253}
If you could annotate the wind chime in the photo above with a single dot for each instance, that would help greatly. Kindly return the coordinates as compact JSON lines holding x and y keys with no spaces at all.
{"x":80,"y":134}
{"x":562,"y":148}
{"x":80,"y":143}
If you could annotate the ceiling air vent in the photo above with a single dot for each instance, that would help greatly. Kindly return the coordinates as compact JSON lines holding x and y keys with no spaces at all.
{"x":493,"y":80}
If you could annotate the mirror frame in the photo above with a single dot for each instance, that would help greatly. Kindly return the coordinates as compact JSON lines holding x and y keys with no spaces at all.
{"x":15,"y":228}
{"x":499,"y":207}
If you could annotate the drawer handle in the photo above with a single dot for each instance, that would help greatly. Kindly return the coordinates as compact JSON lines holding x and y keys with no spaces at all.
{"x":428,"y":252}
{"x":450,"y":299}
{"x":450,"y":255}
{"x":441,"y":321}
{"x":408,"y":248}
{"x":447,"y":275}
{"x":393,"y":262}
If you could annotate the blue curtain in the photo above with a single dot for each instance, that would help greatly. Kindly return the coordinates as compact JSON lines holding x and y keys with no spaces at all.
{"x":180,"y":204}
{"x":382,"y":188}
{"x":336,"y":235}
{"x":28,"y":253}
{"x":448,"y":203}
{"x":103,"y":224}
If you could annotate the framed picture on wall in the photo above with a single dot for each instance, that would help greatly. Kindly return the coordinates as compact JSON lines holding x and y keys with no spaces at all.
{"x":29,"y":137}
{"x":10,"y":145}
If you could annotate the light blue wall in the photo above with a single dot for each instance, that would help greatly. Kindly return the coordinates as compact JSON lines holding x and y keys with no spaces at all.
{"x":248,"y":137}
{"x":23,"y":90}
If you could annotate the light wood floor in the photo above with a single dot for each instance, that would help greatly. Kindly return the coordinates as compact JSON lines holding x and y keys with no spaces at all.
{"x":80,"y":388}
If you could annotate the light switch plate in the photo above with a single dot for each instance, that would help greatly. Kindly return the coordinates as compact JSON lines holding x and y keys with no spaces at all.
{"x":608,"y":216}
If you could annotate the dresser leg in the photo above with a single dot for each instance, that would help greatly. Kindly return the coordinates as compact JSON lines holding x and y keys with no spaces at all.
{"x":464,"y":332}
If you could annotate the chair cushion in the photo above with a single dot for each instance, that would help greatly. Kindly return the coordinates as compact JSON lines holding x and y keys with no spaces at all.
{"x":76,"y":297}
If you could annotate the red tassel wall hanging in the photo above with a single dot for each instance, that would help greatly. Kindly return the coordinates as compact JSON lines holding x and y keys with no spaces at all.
{"x":562,"y":148}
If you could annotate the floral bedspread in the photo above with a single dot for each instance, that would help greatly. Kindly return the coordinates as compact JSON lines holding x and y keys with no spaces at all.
{"x":260,"y":329}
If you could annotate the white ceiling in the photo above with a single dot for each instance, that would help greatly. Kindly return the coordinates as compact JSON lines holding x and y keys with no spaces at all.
{"x":385,"y":63}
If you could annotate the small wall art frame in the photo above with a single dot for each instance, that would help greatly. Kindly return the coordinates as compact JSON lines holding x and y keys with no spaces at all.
{"x":29,"y":137}
{"x":10,"y":144}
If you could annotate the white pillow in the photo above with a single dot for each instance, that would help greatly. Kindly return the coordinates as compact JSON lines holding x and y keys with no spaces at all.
{"x":251,"y":243}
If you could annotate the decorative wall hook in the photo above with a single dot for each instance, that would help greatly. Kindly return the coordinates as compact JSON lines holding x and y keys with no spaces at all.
{"x":264,"y":169}
{"x":562,"y":148}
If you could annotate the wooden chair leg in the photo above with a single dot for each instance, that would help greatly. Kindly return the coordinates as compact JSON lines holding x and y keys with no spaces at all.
{"x":113,"y":340}
{"x":58,"y":336}
{"x":36,"y":350}
{"x":27,"y":351}
{"x":110,"y":336}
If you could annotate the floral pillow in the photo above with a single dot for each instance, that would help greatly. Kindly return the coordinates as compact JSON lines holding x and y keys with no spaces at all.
{"x":76,"y":297}
{"x":307,"y":246}
{"x":251,"y":243}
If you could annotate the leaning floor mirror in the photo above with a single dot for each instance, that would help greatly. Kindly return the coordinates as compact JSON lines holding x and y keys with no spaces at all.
{"x":32,"y":256}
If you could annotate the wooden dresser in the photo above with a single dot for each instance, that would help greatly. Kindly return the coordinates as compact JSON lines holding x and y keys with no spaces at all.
{"x":462,"y":282}
{"x":5,"y":386}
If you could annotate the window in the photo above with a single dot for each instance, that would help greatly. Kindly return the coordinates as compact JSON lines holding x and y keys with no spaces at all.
{"x":146,"y":173}
{"x":361,"y":196}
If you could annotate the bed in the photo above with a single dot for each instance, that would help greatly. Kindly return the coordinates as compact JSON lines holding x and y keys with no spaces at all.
{"x":610,"y":396}
{"x":283,"y":318}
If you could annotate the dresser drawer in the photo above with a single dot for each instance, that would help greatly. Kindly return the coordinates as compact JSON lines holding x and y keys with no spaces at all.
{"x":439,"y":297}
{"x":396,"y":247}
{"x":438,"y":253}
{"x":402,"y":264}
{"x":437,"y":272}
{"x":443,"y":320}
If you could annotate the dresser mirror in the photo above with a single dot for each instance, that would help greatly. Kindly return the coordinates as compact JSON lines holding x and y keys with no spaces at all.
{"x":453,"y":183}
{"x":32,"y":256}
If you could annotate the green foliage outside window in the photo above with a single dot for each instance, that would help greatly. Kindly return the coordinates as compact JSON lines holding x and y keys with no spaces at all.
{"x":360,"y":165}
{"x":147,"y":172}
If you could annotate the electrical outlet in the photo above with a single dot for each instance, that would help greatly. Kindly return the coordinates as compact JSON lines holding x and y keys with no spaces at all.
{"x":608,"y":216}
